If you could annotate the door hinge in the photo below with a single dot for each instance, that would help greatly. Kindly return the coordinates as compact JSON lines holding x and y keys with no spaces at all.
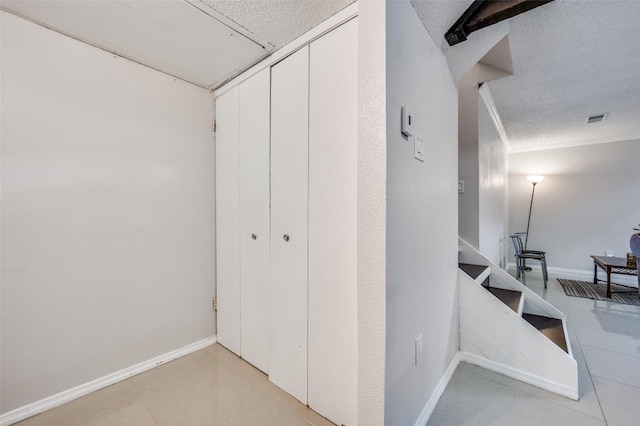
{"x":214,"y":125}
{"x":214,"y":304}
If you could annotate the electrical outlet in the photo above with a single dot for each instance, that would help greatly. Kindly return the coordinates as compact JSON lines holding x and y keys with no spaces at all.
{"x":418,"y":349}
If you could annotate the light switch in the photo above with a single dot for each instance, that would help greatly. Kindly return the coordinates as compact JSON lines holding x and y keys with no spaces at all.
{"x":419,"y":148}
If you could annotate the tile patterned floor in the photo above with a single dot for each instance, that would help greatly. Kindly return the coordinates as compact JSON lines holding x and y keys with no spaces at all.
{"x":605,"y":339}
{"x":214,"y":387}
{"x":209,"y":387}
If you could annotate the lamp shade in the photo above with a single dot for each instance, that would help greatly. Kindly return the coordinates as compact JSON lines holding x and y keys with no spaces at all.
{"x":535,"y":179}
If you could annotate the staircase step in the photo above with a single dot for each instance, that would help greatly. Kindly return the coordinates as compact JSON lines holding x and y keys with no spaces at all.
{"x":550,"y":327}
{"x":477,"y":272}
{"x":473,"y":271}
{"x":511,"y":298}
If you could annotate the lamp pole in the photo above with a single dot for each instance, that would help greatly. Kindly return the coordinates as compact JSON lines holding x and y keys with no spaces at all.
{"x":526,"y":238}
{"x":534,"y":180}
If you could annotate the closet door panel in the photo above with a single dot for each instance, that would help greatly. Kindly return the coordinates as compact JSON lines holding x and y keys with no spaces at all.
{"x":289,"y":203}
{"x":254,"y":218}
{"x":333,"y":169}
{"x":227,"y":220}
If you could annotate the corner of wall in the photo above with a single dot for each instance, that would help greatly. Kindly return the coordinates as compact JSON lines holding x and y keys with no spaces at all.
{"x":372,"y":213}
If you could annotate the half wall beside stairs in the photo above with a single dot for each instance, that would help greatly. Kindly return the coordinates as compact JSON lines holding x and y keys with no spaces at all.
{"x":507,"y":328}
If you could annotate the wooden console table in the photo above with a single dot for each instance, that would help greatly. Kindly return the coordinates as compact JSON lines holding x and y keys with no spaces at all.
{"x":611,"y":265}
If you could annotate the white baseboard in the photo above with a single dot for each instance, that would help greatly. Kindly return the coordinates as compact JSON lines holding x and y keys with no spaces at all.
{"x":56,"y":400}
{"x":438,"y":391}
{"x":580,"y":274}
{"x":549,"y":385}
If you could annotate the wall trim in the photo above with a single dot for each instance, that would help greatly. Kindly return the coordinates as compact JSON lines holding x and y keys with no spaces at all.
{"x":520,"y":375}
{"x":68,"y":395}
{"x":426,"y":412}
{"x":487,"y":99}
{"x":581,"y":142}
{"x":580,"y":274}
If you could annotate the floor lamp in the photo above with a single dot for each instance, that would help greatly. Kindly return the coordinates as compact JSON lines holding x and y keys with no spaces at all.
{"x":534,"y":180}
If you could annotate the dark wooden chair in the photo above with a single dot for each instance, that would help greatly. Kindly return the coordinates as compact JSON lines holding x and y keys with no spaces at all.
{"x":523,"y":255}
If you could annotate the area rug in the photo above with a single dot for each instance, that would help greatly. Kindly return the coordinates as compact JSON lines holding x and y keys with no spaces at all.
{"x":589,"y":290}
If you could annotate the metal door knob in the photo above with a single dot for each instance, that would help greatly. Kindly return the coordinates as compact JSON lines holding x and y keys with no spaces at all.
{"x":285,"y":237}
{"x":254,"y":237}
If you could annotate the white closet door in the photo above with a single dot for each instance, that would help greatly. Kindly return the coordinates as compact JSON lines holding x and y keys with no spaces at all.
{"x":333,"y":165}
{"x":254,"y":219}
{"x":289,"y":203}
{"x":228,"y":220}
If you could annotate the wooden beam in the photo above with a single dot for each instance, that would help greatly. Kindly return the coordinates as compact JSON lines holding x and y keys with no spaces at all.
{"x":483,"y":13}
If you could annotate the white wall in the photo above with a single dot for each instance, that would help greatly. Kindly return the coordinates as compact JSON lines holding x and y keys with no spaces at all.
{"x":421,"y":217}
{"x":468,"y":158}
{"x":588,"y":203}
{"x":482,"y":166}
{"x":371,"y":218}
{"x":107,"y":213}
{"x":492,"y":190}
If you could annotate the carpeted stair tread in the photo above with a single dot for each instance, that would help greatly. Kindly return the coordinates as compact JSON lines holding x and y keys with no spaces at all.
{"x":473,"y":271}
{"x":511,"y":298}
{"x":550,"y":327}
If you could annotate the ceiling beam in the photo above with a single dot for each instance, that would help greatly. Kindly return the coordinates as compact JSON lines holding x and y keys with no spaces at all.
{"x":483,"y":13}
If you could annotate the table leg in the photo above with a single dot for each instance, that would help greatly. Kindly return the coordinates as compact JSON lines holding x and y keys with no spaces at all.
{"x":609,"y":282}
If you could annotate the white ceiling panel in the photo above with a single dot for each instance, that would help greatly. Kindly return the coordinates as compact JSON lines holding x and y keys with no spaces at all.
{"x":172,"y":36}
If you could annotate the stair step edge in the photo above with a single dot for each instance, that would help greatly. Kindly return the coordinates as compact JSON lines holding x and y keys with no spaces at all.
{"x":521,"y":305}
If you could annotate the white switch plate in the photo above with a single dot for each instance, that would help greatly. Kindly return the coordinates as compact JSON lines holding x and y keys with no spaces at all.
{"x":418,"y":349}
{"x":419,"y":148}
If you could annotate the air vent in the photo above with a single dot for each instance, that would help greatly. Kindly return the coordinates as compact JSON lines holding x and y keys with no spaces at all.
{"x":596,"y":118}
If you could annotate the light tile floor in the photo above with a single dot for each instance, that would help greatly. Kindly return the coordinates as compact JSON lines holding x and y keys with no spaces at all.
{"x":214,"y":387}
{"x":208,"y":387}
{"x":605,"y":339}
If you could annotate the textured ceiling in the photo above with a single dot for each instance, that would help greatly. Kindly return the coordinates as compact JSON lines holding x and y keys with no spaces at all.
{"x":571,"y":59}
{"x":278,"y":22}
{"x":439,"y":15}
